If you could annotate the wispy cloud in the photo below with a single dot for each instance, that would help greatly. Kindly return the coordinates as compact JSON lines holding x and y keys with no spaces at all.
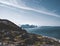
{"x":14,"y":3}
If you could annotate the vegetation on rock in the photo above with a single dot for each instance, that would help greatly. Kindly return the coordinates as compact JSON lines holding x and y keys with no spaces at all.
{"x":12,"y":35}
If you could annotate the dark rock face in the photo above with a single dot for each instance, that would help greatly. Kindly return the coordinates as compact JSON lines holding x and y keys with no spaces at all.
{"x":13,"y":35}
{"x":9,"y":29}
{"x":6,"y":24}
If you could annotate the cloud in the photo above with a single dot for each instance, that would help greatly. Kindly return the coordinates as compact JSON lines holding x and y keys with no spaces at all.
{"x":14,"y":3}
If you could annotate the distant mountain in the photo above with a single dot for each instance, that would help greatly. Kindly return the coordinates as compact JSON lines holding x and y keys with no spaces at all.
{"x":13,"y":35}
{"x":28,"y":26}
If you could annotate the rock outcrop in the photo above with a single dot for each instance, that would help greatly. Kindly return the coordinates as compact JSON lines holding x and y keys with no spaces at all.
{"x":13,"y":35}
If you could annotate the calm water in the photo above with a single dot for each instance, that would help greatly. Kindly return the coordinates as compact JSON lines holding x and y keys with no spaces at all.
{"x":45,"y":32}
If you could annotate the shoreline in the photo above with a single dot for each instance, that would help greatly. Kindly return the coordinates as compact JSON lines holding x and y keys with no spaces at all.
{"x":52,"y":38}
{"x":48,"y":37}
{"x":56,"y":39}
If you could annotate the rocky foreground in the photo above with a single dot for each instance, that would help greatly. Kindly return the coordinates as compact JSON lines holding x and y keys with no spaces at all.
{"x":13,"y":35}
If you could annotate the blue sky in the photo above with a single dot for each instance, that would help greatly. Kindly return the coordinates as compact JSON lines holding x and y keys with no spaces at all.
{"x":36,"y":12}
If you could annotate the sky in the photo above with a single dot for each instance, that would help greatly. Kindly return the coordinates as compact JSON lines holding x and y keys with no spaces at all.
{"x":36,"y":12}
